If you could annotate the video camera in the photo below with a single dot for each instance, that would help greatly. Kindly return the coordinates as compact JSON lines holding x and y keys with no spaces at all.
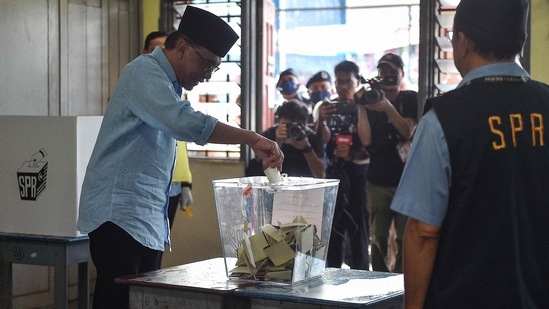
{"x":372,"y":95}
{"x":342,"y":107}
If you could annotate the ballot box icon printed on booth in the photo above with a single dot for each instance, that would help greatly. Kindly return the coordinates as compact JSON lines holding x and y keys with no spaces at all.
{"x":32,"y":175}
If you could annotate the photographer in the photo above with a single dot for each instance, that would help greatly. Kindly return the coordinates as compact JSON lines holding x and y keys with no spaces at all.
{"x":390,"y":123}
{"x":302,"y":150}
{"x":348,"y":161}
{"x":320,"y":89}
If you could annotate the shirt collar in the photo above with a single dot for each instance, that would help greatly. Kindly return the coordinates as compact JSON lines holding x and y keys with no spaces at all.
{"x":158,"y":54}
{"x":501,"y":69}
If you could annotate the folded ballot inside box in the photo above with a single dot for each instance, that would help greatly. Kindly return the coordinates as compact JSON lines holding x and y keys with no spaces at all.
{"x":42,"y":166}
{"x":276,"y":231}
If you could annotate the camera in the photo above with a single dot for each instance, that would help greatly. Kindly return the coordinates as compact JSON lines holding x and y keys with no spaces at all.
{"x":342,"y":107}
{"x":341,"y":120}
{"x":372,"y":95}
{"x":296,"y":131}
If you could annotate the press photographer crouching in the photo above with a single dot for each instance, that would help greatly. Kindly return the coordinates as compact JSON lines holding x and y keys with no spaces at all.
{"x":390,"y":123}
{"x":348,"y":161}
{"x":303,"y":151}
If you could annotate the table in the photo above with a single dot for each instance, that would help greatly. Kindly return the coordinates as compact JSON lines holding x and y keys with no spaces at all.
{"x":204,"y":284}
{"x":55,"y":251}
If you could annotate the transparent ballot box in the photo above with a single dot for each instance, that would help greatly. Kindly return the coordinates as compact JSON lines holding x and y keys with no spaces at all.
{"x":276,"y":232}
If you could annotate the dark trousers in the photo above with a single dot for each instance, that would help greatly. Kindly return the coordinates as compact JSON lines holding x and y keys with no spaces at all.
{"x":116,"y":253}
{"x":352,"y":224}
{"x":381,"y":218}
{"x":172,"y":210}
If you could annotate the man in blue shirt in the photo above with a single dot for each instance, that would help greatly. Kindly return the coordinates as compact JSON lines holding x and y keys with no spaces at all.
{"x":124,"y":198}
{"x":474,"y":186}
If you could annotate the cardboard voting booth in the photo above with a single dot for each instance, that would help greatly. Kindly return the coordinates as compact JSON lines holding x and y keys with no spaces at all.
{"x":277,"y":232}
{"x":42,"y":167}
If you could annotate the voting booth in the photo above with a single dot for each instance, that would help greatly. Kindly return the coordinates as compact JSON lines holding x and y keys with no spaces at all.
{"x":277,"y":232}
{"x":42,"y":167}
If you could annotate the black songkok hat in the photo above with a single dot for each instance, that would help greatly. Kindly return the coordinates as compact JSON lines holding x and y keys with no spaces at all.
{"x":208,"y":30}
{"x":320,"y":76}
{"x":504,"y":18}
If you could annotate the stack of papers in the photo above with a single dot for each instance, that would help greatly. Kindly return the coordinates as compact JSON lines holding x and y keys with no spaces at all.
{"x":271,"y":253}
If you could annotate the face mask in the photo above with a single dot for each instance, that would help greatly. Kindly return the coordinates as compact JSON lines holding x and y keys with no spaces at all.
{"x":320,"y":96}
{"x":287,"y":87}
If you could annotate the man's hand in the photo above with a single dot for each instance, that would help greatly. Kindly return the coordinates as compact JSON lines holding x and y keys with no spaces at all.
{"x":268,"y":151}
{"x":301,"y":144}
{"x":281,"y":133}
{"x":383,"y":105}
{"x":325,"y":110}
{"x":419,"y":254}
{"x":343,"y":151}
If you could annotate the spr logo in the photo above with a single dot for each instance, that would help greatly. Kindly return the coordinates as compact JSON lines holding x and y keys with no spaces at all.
{"x":31,"y":176}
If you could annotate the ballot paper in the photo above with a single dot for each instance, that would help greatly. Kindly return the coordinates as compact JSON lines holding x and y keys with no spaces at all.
{"x":309,"y":203}
{"x":273,"y":175}
{"x":286,"y":252}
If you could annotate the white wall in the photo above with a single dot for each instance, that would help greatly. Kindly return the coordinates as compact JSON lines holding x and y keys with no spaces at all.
{"x":61,"y":58}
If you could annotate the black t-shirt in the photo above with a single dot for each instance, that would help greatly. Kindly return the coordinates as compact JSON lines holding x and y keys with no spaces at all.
{"x":385,"y":163}
{"x":295,"y":163}
{"x":343,"y":124}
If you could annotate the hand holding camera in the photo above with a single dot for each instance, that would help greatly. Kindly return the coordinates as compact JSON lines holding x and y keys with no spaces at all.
{"x":329,"y":108}
{"x":297,"y":135}
{"x":292,"y":133}
{"x":325,"y":110}
{"x":371,"y":93}
{"x":296,"y":131}
{"x":382,"y":105}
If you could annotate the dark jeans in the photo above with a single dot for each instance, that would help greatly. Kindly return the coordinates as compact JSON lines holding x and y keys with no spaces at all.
{"x":116,"y":253}
{"x":172,"y":208}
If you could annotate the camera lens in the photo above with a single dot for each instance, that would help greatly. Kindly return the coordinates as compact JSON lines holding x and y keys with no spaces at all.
{"x":295,"y":131}
{"x":372,"y":96}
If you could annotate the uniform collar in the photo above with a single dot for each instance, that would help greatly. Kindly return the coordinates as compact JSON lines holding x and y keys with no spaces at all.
{"x":495,"y":69}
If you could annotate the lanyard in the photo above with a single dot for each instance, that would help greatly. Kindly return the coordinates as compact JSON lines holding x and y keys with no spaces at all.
{"x":499,"y":79}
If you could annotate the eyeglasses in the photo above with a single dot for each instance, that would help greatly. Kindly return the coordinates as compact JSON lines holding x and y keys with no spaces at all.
{"x":208,"y":66}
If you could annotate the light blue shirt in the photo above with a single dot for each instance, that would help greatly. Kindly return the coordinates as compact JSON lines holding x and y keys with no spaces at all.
{"x":130,"y":171}
{"x":424,"y":188}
